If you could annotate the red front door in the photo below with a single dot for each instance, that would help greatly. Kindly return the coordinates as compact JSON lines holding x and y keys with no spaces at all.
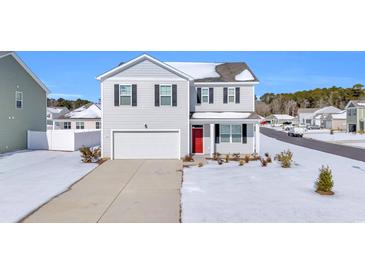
{"x":197,"y":140}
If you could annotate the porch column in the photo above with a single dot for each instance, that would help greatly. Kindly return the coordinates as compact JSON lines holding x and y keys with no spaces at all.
{"x":212,"y":140}
{"x":257,"y":138}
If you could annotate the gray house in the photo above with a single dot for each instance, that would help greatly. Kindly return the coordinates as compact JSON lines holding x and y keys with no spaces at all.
{"x":156,"y":110}
{"x":23,"y":102}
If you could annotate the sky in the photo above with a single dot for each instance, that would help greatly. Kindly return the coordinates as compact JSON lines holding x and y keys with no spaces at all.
{"x":72,"y":75}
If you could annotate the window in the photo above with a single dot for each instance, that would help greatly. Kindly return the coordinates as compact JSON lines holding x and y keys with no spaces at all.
{"x":354,"y":112}
{"x":19,"y":99}
{"x":231,"y":133}
{"x":125,"y":92}
{"x":80,"y":125}
{"x":66,"y":125}
{"x":165,"y":95}
{"x":205,"y":95}
{"x":231,"y":95}
{"x":97,"y":125}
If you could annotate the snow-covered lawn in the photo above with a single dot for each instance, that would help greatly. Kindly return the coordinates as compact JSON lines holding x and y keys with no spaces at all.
{"x":337,"y":136}
{"x":28,"y":179}
{"x":251,"y":193}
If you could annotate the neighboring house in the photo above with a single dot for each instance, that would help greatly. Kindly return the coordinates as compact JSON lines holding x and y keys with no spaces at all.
{"x":313,"y":116}
{"x":54,"y":113}
{"x":85,"y":117}
{"x":355,"y":117}
{"x":279,"y":119}
{"x":305,"y":115}
{"x":155,"y":110}
{"x":336,"y":121}
{"x":23,"y":102}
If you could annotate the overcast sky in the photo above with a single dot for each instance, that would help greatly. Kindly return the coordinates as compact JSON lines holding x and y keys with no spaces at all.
{"x":72,"y":75}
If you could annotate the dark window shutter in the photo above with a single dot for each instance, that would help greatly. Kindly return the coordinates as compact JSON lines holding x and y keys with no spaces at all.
{"x":157,"y":95}
{"x":134,"y":95}
{"x":216,"y":127}
{"x":174,"y":95}
{"x":237,"y":95}
{"x":244,"y":133}
{"x":211,"y":96}
{"x":198,"y":95}
{"x":116,"y":95}
{"x":225,"y":95}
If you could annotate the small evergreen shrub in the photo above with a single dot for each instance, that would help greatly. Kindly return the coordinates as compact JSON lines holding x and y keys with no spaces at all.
{"x":89,"y":154}
{"x":324,"y":182}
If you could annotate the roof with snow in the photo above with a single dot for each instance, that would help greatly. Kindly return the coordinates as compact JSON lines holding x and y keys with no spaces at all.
{"x":216,"y":72}
{"x":339,"y":116}
{"x":224,"y":115}
{"x":88,"y":111}
{"x":357,"y":103}
{"x":307,"y":110}
{"x":280,"y":117}
{"x":56,"y":109}
{"x":327,"y":110}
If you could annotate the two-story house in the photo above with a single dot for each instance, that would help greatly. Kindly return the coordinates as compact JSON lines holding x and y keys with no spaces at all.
{"x":23,"y":102}
{"x":355,"y":117}
{"x":161,"y":110}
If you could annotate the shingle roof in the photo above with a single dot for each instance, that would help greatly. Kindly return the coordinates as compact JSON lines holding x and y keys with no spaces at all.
{"x":2,"y":53}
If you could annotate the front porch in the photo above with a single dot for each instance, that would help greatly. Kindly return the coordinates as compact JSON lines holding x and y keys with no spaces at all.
{"x":225,"y":134}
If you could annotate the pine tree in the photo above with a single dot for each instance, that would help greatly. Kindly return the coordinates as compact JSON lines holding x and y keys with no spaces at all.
{"x":324,"y":182}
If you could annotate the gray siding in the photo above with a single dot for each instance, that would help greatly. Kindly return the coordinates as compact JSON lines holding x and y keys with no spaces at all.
{"x":247,"y":96}
{"x":15,"y":122}
{"x":128,"y":117}
{"x":231,"y":148}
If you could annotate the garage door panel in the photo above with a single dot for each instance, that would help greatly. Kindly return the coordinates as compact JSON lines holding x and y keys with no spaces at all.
{"x":146,"y":144}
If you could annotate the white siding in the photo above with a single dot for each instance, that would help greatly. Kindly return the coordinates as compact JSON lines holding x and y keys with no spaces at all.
{"x":247,"y":96}
{"x":128,"y":117}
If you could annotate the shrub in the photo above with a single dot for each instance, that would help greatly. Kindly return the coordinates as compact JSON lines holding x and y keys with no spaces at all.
{"x":255,"y":157}
{"x":263,"y":162}
{"x":247,"y":158}
{"x":227,"y":158}
{"x":267,"y":154}
{"x":268,"y":159}
{"x":200,"y":164}
{"x":285,"y":157}
{"x":241,"y":163}
{"x":331,"y":131}
{"x":236,"y":156}
{"x":188,"y":158}
{"x":216,"y":155}
{"x":324,"y":182}
{"x":220,"y":161}
{"x":89,"y":154}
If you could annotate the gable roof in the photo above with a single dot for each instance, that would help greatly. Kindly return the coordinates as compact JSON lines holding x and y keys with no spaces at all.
{"x":25,"y":67}
{"x":139,"y":59}
{"x":327,"y":110}
{"x":356,"y":103}
{"x":307,"y":110}
{"x":280,"y":116}
{"x":88,"y":111}
{"x":56,"y":109}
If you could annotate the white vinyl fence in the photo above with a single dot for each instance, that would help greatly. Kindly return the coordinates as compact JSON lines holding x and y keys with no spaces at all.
{"x":65,"y":140}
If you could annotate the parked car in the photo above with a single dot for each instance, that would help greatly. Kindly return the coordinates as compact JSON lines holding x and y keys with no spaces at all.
{"x":296,"y":132}
{"x":313,"y":127}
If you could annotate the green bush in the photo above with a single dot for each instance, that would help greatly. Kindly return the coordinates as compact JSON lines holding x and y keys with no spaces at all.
{"x":324,"y":182}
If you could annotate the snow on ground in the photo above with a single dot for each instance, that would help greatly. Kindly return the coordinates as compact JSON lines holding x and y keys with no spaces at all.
{"x":29,"y":179}
{"x":251,"y":193}
{"x":337,"y":136}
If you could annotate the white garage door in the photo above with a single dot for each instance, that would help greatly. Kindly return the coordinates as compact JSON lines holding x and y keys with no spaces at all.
{"x":146,"y":144}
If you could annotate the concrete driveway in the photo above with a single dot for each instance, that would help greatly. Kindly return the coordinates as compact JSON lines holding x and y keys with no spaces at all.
{"x":120,"y":191}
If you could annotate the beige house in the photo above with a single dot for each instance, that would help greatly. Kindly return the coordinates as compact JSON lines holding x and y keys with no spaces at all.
{"x":335,"y":121}
{"x":85,"y":117}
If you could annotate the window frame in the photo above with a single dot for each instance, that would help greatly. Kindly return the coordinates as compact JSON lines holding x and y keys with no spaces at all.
{"x":21,"y":100}
{"x":167,"y":85}
{"x":234,"y":95}
{"x":68,"y":123}
{"x":96,"y":125}
{"x":78,"y":125}
{"x":230,"y":134}
{"x":120,"y":94}
{"x":202,"y":96}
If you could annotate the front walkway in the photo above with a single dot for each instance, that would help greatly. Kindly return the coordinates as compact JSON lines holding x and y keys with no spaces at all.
{"x":120,"y":191}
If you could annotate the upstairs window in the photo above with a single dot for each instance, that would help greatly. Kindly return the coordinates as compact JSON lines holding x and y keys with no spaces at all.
{"x":19,"y":99}
{"x":231,"y":95}
{"x":125,"y":95}
{"x":165,"y":95}
{"x":80,"y":125}
{"x":205,"y":95}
